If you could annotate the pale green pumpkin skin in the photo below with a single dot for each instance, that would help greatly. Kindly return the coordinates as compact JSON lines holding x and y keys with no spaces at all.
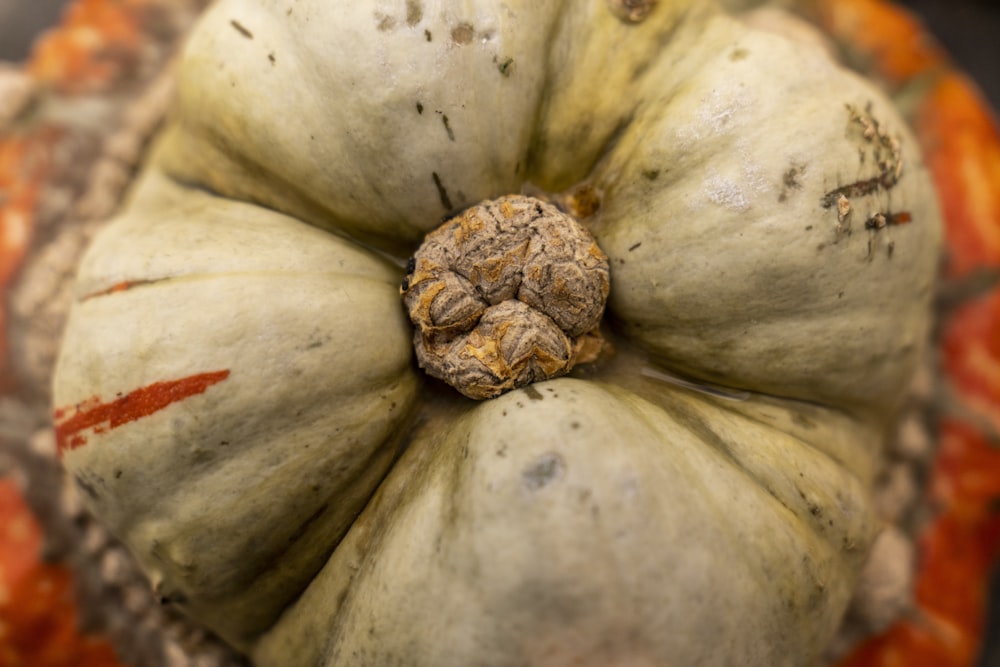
{"x":612,"y":517}
{"x":281,"y":455}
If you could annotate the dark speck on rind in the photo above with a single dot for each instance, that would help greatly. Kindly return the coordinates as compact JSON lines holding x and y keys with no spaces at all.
{"x":414,"y":12}
{"x":543,"y":471}
{"x":86,"y":487}
{"x":505,"y":66}
{"x":241,"y":29}
{"x":738,"y":54}
{"x":420,"y":108}
{"x":533,"y":393}
{"x":462,"y":33}
{"x":270,"y":57}
{"x":791,"y":177}
{"x":790,"y":181}
{"x":442,"y":192}
{"x":384,"y":22}
{"x":447,"y":127}
{"x":428,"y":36}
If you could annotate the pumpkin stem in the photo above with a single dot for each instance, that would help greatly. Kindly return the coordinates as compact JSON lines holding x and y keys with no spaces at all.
{"x":509,"y":292}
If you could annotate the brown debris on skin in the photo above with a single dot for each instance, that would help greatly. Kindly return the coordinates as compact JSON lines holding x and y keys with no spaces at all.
{"x":507,"y":293}
{"x":631,"y":11}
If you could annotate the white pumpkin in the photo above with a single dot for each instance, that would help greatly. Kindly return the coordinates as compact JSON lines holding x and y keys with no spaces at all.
{"x":237,"y":380}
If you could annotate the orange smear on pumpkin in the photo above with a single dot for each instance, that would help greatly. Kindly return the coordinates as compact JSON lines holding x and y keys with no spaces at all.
{"x":72,"y":422}
{"x":122,"y":286}
{"x":38,"y":619}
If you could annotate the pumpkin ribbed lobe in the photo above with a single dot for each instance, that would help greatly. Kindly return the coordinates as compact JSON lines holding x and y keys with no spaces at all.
{"x":507,"y":293}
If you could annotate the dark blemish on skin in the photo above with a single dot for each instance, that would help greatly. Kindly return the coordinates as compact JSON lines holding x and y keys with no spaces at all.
{"x":738,"y":54}
{"x":857,"y":189}
{"x":447,"y":127}
{"x":533,"y":393}
{"x":790,"y":181}
{"x":840,"y":295}
{"x":634,"y":246}
{"x":240,"y":29}
{"x":462,"y":34}
{"x":791,"y":177}
{"x":575,"y":426}
{"x":821,"y":247}
{"x":442,"y":192}
{"x":270,"y":57}
{"x":223,"y":442}
{"x":86,"y":487}
{"x":118,"y":474}
{"x":385,"y":22}
{"x":502,"y":451}
{"x":428,"y":36}
{"x":651,"y":174}
{"x":420,"y":108}
{"x":505,"y":66}
{"x":809,"y":228}
{"x":545,"y":470}
{"x":414,"y":12}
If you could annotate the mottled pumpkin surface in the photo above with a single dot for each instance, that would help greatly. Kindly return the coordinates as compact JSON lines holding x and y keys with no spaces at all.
{"x":959,"y":546}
